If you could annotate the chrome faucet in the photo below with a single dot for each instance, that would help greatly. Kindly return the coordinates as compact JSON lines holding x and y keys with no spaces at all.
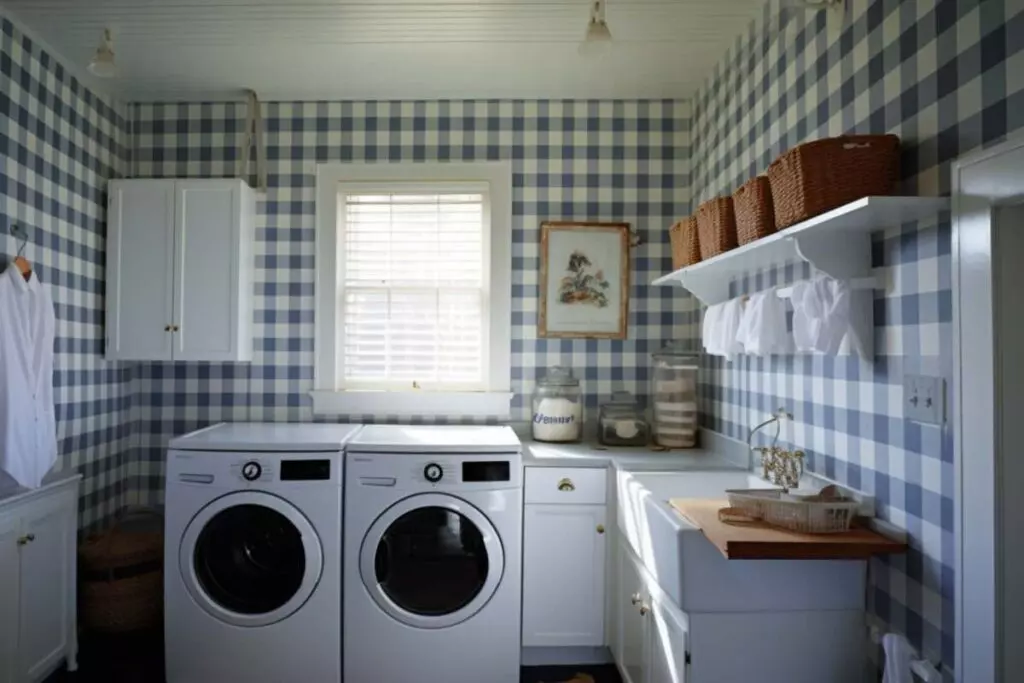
{"x":778,"y":466}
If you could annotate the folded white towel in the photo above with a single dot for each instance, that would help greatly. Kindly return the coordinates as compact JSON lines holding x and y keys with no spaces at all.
{"x":762,"y":330}
{"x":821,"y":315}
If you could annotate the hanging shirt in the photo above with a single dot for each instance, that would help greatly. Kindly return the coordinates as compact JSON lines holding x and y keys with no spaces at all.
{"x":28,"y":429}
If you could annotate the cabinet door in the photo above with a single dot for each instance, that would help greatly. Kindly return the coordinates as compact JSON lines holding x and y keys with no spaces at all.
{"x":563,"y":575}
{"x":631,"y":655}
{"x":207,"y":260}
{"x":10,"y":531}
{"x":140,"y":270}
{"x":46,"y":565}
{"x":666,"y":643}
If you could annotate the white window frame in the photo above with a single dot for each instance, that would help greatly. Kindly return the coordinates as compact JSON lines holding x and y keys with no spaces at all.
{"x":328,"y":399}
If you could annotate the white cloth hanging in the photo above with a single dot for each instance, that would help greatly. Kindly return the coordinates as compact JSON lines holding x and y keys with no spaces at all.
{"x":28,"y":431}
{"x":762,"y":329}
{"x":821,"y":315}
{"x":719,"y":329}
{"x":898,"y":656}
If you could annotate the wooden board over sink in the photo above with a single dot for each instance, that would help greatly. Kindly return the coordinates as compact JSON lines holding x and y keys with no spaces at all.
{"x":759,"y":541}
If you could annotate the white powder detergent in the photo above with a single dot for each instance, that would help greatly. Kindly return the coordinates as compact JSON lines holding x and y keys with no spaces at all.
{"x":557,"y":419}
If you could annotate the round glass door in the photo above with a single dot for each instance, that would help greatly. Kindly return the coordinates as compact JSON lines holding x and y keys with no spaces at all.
{"x":250,"y":558}
{"x":432,"y":561}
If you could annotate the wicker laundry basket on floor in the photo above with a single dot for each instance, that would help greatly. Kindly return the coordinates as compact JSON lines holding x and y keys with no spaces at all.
{"x":121,"y":576}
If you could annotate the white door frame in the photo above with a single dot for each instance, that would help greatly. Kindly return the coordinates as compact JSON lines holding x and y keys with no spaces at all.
{"x":988,"y":383}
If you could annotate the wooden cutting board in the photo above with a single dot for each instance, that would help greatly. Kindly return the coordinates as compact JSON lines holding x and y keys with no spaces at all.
{"x":759,"y":541}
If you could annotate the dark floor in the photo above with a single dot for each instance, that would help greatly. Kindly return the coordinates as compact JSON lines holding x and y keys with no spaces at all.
{"x":139,"y":659}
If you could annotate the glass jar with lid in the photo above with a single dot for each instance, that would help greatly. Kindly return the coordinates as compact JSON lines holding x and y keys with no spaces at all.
{"x":675,"y":398}
{"x":558,"y":407}
{"x":622,"y":422}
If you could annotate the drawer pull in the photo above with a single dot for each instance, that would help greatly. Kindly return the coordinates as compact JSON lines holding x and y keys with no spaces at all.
{"x":645,"y":610}
{"x":566,"y":485}
{"x":635,"y":599}
{"x":600,"y":528}
{"x":25,"y":540}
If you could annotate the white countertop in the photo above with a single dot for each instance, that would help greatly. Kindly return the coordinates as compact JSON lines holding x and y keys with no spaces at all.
{"x":718,"y":453}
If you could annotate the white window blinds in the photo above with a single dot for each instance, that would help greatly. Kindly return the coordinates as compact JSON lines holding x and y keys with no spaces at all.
{"x":414,"y":280}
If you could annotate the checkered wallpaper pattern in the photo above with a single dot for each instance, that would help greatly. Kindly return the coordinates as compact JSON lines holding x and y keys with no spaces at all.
{"x":948,"y":77}
{"x":600,"y":160}
{"x":59,"y":144}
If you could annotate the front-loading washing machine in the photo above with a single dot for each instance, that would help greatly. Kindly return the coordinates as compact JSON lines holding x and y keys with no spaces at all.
{"x":252,"y":577}
{"x":433,"y":529}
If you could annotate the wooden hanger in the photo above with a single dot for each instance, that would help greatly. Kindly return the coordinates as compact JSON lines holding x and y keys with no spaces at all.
{"x":20,"y":262}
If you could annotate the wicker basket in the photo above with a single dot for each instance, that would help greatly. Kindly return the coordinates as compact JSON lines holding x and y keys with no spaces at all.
{"x":755,"y":214}
{"x":685,"y":243}
{"x":716,"y":226}
{"x":121,"y":574}
{"x":818,"y":176}
{"x":818,"y":517}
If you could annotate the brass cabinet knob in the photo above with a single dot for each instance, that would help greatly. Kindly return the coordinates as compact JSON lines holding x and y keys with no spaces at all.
{"x":600,"y":528}
{"x":566,"y":485}
{"x":635,"y":599}
{"x":167,"y":328}
{"x":175,"y":328}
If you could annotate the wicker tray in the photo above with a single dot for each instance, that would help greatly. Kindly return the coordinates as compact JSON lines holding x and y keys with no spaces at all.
{"x":716,"y":226}
{"x":685,"y":243}
{"x":755,"y":212}
{"x":819,"y":176}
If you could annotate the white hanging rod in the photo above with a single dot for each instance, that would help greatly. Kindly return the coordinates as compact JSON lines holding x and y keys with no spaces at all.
{"x":856,"y":283}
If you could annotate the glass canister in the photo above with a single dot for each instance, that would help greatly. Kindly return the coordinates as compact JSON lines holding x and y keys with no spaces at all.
{"x":675,"y":398}
{"x":558,"y":407}
{"x":621,"y":422}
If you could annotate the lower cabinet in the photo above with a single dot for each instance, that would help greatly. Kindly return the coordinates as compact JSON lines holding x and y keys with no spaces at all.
{"x":564,"y":557}
{"x":37,"y":582}
{"x":649,"y":633}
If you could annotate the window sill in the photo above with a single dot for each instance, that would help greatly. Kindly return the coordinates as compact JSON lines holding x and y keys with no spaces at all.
{"x":413,"y":403}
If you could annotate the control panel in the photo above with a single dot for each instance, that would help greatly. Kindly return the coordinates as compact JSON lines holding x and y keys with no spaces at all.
{"x":436,"y":472}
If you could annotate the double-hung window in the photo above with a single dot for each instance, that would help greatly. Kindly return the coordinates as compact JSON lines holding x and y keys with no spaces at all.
{"x":413,"y":290}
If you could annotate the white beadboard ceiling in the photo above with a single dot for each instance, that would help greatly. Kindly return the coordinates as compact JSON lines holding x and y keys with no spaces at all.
{"x":390,"y":49}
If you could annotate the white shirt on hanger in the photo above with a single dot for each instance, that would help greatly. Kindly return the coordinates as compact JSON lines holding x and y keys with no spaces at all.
{"x":28,"y":427}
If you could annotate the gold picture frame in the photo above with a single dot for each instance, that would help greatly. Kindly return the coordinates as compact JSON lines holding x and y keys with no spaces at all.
{"x":582,"y":303}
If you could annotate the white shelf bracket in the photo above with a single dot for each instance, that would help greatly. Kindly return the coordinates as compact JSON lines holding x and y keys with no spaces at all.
{"x":841,"y":255}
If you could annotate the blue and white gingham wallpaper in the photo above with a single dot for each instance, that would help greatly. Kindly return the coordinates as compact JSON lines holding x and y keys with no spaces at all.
{"x":59,"y":144}
{"x":948,"y":77}
{"x":601,"y":160}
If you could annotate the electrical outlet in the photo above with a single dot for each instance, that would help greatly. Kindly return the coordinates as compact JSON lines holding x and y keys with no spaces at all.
{"x":924,"y":399}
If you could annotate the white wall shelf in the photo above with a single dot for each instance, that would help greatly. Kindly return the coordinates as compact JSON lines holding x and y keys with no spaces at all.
{"x":837,"y":243}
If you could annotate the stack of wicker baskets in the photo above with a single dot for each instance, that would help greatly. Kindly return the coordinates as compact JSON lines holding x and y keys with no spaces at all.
{"x":806,"y":181}
{"x":121,"y":574}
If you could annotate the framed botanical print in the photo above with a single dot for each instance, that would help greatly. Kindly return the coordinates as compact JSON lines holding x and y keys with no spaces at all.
{"x":584,"y":280}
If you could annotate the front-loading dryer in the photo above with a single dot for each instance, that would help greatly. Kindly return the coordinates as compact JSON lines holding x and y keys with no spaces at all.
{"x":252,"y":577}
{"x":433,"y":529}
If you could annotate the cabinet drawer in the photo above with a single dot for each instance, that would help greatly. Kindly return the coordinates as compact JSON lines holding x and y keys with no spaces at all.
{"x":568,"y":485}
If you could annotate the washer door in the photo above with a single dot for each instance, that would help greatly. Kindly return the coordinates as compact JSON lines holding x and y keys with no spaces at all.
{"x":250,"y":558}
{"x":431,"y":560}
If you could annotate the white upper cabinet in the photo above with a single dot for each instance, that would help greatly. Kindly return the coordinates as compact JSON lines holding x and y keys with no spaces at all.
{"x":140,"y":269}
{"x":180,"y":263}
